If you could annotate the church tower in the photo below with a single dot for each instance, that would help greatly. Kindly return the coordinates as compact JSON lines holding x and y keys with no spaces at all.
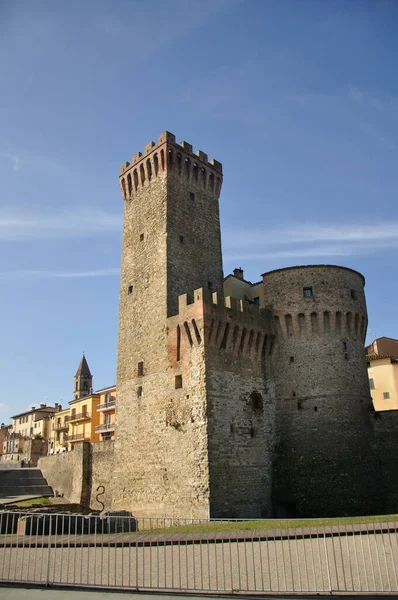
{"x":83,"y":380}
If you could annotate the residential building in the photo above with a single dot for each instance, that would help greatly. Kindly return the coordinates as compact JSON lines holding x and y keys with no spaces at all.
{"x":34,"y":422}
{"x":106,"y":410}
{"x":59,"y":431}
{"x":383,"y":381}
{"x":383,"y":346}
{"x":235,"y":286}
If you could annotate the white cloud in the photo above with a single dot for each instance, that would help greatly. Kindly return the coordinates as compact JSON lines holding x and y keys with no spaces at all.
{"x":68,"y":224}
{"x":37,"y":274}
{"x":15,"y":160}
{"x":310,"y":240}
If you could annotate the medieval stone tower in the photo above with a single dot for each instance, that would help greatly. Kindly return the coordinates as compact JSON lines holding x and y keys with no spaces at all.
{"x":324,"y":457}
{"x":193,"y":426}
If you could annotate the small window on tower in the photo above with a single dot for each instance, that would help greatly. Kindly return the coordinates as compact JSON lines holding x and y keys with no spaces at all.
{"x":371,"y":384}
{"x":130,"y":289}
{"x":141,"y":237}
{"x":308,"y":292}
{"x":191,"y":196}
{"x":140,"y":369}
{"x":181,"y":239}
{"x":386,"y":395}
{"x":354,"y":295}
{"x":140,"y":392}
{"x":178,"y":382}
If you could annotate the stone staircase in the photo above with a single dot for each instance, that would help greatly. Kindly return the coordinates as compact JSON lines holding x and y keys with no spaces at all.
{"x":20,"y":484}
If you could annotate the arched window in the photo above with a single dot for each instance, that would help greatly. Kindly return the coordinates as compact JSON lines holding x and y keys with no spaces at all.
{"x":149,"y":169}
{"x":124,"y":188}
{"x":156,"y":163}
{"x":129,"y":184}
{"x":135,"y":175}
{"x":142,"y":174}
{"x":211,"y":182}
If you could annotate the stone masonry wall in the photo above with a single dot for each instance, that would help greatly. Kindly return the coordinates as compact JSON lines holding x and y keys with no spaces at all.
{"x":385,"y":451}
{"x":241,"y":405}
{"x":101,"y":466}
{"x":323,"y":416}
{"x":66,"y":473}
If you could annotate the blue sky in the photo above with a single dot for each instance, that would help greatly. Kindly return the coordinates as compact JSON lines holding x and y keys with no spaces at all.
{"x":297,"y":99}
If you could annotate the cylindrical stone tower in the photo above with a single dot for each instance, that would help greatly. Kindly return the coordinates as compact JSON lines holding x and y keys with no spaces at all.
{"x":323,"y":464}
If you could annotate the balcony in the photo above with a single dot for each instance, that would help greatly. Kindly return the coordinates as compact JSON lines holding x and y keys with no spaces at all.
{"x":105,"y":427}
{"x":78,"y":437}
{"x":61,"y":426}
{"x":107,"y":406}
{"x":84,"y":416}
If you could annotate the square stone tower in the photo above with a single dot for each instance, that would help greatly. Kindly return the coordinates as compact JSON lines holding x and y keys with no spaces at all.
{"x":171,"y":244}
{"x":193,"y":405}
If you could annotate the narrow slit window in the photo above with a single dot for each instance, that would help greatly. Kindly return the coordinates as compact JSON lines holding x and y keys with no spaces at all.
{"x":140,"y":369}
{"x":140,"y":392}
{"x":130,"y":289}
{"x":192,"y":196}
{"x":141,"y":237}
{"x":178,"y":382}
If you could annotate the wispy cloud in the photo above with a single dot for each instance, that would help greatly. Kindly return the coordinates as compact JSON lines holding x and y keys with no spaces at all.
{"x":17,"y":226}
{"x":24,"y":160}
{"x":311,"y":240}
{"x":16,"y":161}
{"x":23,"y":275}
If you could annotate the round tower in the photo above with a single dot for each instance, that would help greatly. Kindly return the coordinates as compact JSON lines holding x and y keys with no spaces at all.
{"x":323,"y":464}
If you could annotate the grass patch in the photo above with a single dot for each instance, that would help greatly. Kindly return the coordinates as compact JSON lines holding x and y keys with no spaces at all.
{"x":31,"y":502}
{"x":170,"y":526}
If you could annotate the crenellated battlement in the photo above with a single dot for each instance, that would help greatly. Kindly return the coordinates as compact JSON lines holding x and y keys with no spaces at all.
{"x":166,"y":156}
{"x":226,"y":324}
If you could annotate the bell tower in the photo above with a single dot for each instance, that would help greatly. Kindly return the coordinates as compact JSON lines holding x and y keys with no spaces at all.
{"x":83,"y":380}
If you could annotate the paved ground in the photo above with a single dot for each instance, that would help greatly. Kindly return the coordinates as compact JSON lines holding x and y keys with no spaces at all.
{"x":358,"y":563}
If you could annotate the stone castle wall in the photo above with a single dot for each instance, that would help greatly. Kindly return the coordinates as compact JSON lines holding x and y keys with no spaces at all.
{"x":323,"y":415}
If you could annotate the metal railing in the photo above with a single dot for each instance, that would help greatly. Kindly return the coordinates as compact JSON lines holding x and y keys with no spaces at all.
{"x":60,"y":426}
{"x":77,"y":417}
{"x":192,"y":555}
{"x":105,"y":427}
{"x":107,"y":405}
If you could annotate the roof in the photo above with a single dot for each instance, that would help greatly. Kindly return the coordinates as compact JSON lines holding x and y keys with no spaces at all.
{"x":240,"y":279}
{"x":383,"y":337}
{"x":312,"y":266}
{"x":370,"y":357}
{"x":30,"y":412}
{"x":92,"y":395}
{"x":83,"y":370}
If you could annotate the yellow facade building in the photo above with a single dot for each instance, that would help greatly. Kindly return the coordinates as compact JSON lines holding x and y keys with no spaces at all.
{"x":59,"y":431}
{"x":237,"y":287}
{"x":90,"y":416}
{"x":383,"y":381}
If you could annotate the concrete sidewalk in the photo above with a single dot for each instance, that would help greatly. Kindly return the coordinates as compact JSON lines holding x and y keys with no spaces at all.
{"x":13,"y":593}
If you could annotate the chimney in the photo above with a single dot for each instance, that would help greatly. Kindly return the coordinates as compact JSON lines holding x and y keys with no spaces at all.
{"x":33,"y":408}
{"x":238,"y":273}
{"x":42,"y":406}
